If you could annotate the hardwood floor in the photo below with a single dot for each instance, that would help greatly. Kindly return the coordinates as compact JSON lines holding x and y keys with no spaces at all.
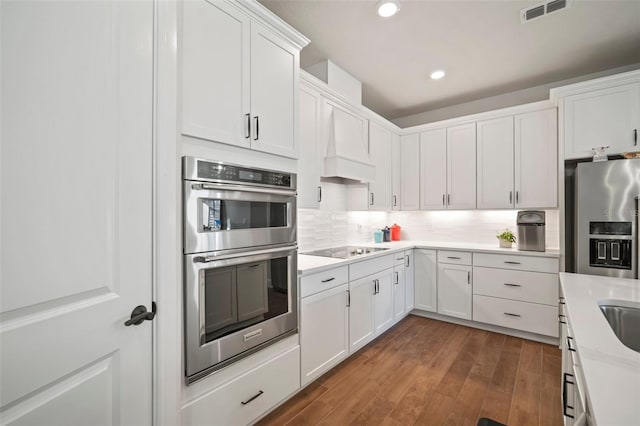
{"x":428,"y":372}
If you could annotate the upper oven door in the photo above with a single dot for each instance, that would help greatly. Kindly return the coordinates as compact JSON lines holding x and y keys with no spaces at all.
{"x":223,"y":216}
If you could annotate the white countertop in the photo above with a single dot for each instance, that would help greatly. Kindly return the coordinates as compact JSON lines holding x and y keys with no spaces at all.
{"x":311,"y":264}
{"x":611,"y":370}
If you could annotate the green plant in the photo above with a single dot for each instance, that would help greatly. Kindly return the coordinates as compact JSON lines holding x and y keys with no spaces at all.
{"x":507,"y":235}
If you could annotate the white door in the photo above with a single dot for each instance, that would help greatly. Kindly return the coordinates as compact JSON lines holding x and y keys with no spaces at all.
{"x":361,"y":329}
{"x":454,"y":290}
{"x":380,"y":156}
{"x":274,"y":93}
{"x":396,"y":167}
{"x":324,"y":331}
{"x":383,"y":302}
{"x":605,"y":117}
{"x":426,"y":284}
{"x":399,"y":292}
{"x":461,"y":167}
{"x":409,"y":280}
{"x":410,"y":172}
{"x":76,"y":212}
{"x":433,"y":169}
{"x":310,"y":161}
{"x":215,"y":72}
{"x":495,"y":163}
{"x":536,"y":146}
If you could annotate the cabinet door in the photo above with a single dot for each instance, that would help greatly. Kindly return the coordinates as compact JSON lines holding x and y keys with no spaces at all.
{"x":410,"y":172}
{"x":274,"y":91}
{"x":605,"y":117}
{"x":426,"y":280}
{"x":215,"y":72}
{"x":409,"y":280}
{"x":399,"y":292}
{"x":396,"y":167}
{"x":310,"y":161}
{"x":454,"y":290}
{"x":324,"y":331}
{"x":461,"y":167}
{"x":433,"y":169}
{"x":383,"y":302}
{"x":361,"y":329}
{"x":536,"y":146}
{"x":380,"y":156}
{"x":495,"y":163}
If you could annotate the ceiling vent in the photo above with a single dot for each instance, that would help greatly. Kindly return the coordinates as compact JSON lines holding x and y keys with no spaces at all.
{"x":543,"y":9}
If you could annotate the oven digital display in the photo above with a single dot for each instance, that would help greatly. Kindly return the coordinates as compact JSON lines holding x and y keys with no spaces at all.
{"x":250,"y":175}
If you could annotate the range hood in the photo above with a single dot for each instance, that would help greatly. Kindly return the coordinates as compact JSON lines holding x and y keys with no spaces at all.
{"x":347,"y":148}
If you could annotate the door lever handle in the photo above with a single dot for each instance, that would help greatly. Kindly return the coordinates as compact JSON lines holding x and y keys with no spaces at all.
{"x":140,"y":315}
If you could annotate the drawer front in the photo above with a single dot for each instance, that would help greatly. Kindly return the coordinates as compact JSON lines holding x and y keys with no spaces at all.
{"x":315,"y":283}
{"x":367,"y":267}
{"x":531,"y":317}
{"x":231,"y":403}
{"x":534,"y":287}
{"x":398,"y":258}
{"x":522,"y":263}
{"x":454,"y":257}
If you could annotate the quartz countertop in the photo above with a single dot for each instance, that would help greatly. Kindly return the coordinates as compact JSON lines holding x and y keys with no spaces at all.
{"x":611,"y":370}
{"x":310,"y":264}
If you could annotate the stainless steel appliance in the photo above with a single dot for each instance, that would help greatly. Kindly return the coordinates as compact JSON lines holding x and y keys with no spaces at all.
{"x":531,"y":230}
{"x":240,"y":262}
{"x":606,"y":218}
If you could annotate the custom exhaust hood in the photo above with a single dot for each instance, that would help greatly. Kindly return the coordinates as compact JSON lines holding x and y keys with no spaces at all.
{"x":347,"y":154}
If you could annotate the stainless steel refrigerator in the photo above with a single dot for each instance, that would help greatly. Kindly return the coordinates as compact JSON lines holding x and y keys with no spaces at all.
{"x":606,"y":226}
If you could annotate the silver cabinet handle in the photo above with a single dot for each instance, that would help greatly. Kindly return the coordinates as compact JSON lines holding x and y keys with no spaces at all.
{"x":348,"y":298}
{"x":328,"y":279}
{"x":510,"y":262}
{"x":375,"y":287}
{"x":257,"y":120}
{"x":569,"y":339}
{"x":510,"y":197}
{"x":517,"y":197}
{"x":468,"y":277}
{"x":319,"y":194}
{"x":399,"y":258}
{"x":247,"y":134}
{"x":407,"y":261}
{"x":397,"y":278}
{"x":560,"y":319}
{"x":252,"y":398}
{"x":448,"y":199}
{"x":512,"y":285}
{"x":394,"y":201}
{"x":443,"y":200}
{"x":512,"y":315}
{"x":635,"y":137}
{"x":453,"y":257}
{"x":371,"y":201}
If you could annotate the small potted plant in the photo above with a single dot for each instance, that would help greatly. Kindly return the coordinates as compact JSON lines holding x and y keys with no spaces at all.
{"x":506,"y":238}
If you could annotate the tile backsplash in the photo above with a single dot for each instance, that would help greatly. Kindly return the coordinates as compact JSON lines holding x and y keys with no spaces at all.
{"x":326,"y":228}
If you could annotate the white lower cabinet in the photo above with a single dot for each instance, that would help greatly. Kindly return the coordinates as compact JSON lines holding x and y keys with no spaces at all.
{"x":525,"y":316}
{"x":399,"y":291}
{"x":324,"y":331}
{"x":454,"y":290}
{"x":409,"y":280}
{"x":248,"y":396}
{"x":426,"y":280}
{"x":361,"y":329}
{"x":383,"y":302}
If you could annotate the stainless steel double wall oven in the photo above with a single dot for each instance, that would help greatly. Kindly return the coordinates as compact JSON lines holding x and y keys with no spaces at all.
{"x":240,"y":261}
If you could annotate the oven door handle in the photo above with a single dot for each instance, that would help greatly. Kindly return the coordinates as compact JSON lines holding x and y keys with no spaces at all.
{"x":207,"y":259}
{"x":212,"y":186}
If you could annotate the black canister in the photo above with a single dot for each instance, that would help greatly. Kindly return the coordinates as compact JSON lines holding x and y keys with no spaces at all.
{"x":386,"y":234}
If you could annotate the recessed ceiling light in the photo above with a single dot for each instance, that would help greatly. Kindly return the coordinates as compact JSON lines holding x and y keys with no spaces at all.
{"x":437,"y":75}
{"x":387,"y":8}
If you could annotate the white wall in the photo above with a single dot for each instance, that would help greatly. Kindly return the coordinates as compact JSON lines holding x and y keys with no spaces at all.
{"x":326,"y":228}
{"x":505,"y":100}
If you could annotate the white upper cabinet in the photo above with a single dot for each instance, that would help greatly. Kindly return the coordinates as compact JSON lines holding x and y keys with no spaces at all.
{"x":536,"y":159}
{"x":380,"y":156}
{"x":495,"y":163}
{"x":461,"y":167}
{"x":310,"y":160}
{"x":396,"y":167}
{"x":239,"y":80}
{"x":609,"y":116}
{"x":274,"y":78}
{"x":433,"y":169}
{"x":215,"y":73}
{"x":410,"y":172}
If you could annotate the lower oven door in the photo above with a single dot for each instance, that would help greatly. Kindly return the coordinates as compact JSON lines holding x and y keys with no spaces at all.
{"x":236,"y":302}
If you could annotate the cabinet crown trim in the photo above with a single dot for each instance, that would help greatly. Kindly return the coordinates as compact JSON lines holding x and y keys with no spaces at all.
{"x":599,"y":83}
{"x":263,"y":15}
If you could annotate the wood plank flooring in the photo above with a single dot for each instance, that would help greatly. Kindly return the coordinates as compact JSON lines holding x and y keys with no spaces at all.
{"x":428,"y":372}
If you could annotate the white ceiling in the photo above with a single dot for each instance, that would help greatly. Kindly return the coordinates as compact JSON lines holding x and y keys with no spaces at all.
{"x":481,"y":44}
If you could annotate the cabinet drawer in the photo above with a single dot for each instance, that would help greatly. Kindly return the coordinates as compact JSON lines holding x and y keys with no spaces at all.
{"x":534,"y":287}
{"x":371,"y":266}
{"x":314,"y":283}
{"x":454,"y":257}
{"x":399,"y":258}
{"x":229,"y":404}
{"x":523,"y":263}
{"x":531,"y":317}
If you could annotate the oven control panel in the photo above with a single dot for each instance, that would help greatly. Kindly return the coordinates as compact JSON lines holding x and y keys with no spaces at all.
{"x":214,"y":171}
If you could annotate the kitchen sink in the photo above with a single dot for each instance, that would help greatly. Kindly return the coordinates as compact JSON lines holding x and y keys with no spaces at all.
{"x":625,"y":323}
